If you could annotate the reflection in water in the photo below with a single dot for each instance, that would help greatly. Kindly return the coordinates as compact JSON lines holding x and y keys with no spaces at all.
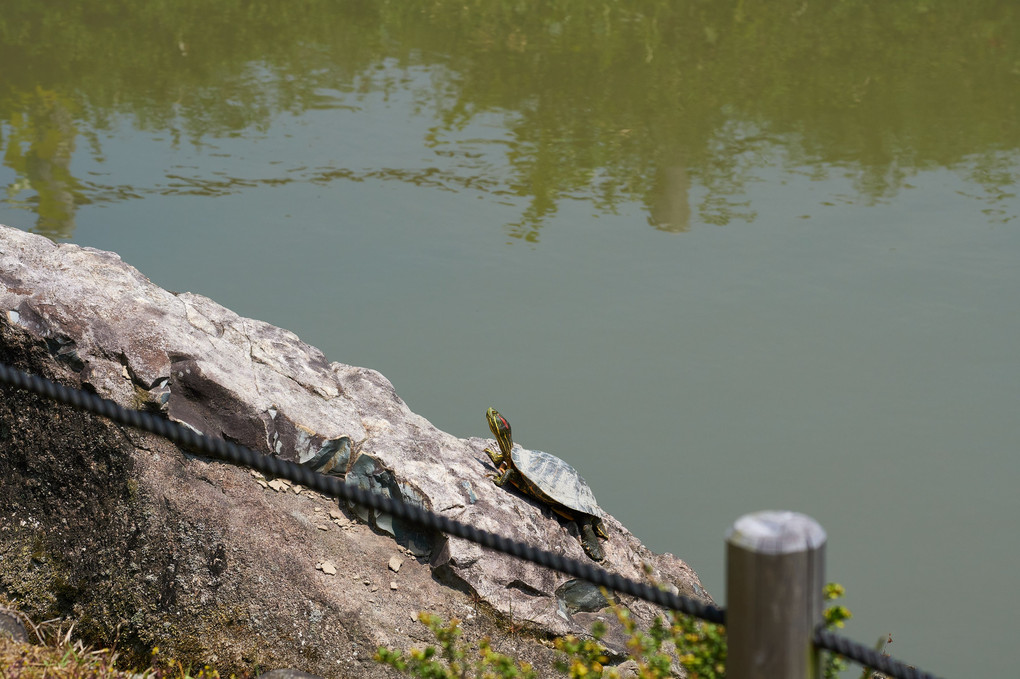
{"x":39,"y":150}
{"x":670,"y":207}
{"x":588,"y":95}
{"x":221,"y":185}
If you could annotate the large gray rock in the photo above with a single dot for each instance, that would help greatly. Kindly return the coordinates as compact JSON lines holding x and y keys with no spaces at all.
{"x":122,"y":531}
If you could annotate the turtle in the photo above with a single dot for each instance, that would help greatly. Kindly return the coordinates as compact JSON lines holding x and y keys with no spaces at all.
{"x":549,"y":479}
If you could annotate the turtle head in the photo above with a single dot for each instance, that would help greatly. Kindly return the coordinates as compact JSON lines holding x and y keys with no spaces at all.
{"x":500,"y":429}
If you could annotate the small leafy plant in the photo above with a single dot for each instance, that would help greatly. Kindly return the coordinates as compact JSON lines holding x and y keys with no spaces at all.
{"x":582,"y":657}
{"x":700,"y":646}
{"x":457,"y":661}
{"x":835,"y":618}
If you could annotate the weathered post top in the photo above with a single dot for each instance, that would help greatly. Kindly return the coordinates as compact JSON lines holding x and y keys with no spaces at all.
{"x":776,"y":532}
{"x":775,"y":571}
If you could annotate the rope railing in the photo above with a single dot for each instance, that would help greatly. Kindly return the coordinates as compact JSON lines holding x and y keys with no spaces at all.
{"x":233,"y":453}
{"x":867,"y":657}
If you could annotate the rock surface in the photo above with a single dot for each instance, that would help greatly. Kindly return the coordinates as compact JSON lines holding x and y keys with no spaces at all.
{"x":212,"y":563}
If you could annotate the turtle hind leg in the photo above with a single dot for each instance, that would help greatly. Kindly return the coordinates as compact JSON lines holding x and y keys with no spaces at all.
{"x":590,"y":543}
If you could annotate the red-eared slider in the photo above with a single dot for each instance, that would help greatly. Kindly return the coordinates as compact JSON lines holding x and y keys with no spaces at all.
{"x":549,"y":479}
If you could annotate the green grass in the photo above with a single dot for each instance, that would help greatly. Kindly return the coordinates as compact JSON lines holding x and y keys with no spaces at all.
{"x":59,"y":656}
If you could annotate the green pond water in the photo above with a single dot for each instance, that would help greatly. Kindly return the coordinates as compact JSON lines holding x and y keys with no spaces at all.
{"x":722,"y":257}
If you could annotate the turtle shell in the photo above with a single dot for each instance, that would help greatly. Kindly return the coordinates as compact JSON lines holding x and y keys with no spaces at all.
{"x":553,"y":480}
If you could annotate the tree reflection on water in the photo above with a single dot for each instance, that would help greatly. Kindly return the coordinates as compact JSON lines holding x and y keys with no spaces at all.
{"x":602,"y":102}
{"x":38,"y":148}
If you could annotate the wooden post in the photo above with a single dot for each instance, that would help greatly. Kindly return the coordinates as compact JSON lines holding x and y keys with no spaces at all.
{"x":775,"y":571}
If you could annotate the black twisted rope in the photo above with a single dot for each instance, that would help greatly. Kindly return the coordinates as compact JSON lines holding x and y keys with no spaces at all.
{"x":333,"y":487}
{"x":867,"y":657}
{"x":328,"y":485}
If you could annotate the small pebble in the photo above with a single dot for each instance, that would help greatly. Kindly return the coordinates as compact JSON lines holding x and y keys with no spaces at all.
{"x":374,"y":588}
{"x":321,"y":527}
{"x":277,"y":485}
{"x":327,"y":567}
{"x":336,"y":514}
{"x":395,"y":563}
{"x":393,"y":585}
{"x":297,"y":490}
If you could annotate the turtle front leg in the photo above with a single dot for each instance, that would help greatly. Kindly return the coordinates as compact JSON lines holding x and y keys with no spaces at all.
{"x":504,"y":471}
{"x":496,"y":457}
